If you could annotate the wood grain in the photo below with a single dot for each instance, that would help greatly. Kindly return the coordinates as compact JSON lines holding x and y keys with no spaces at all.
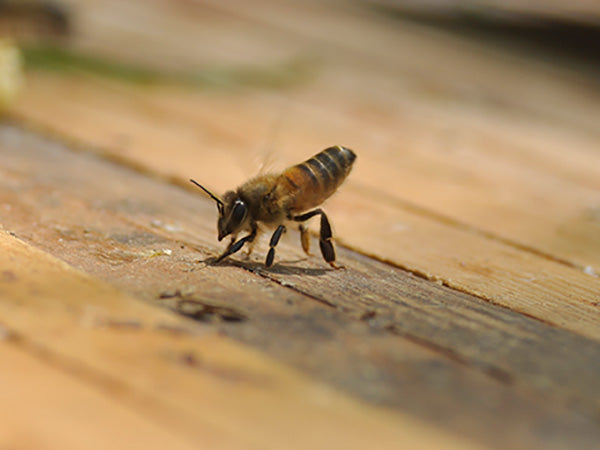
{"x":372,"y":330}
{"x":579,"y":12}
{"x":471,"y":259}
{"x":464,"y":191}
{"x":44,"y":407}
{"x":202,"y":387}
{"x":469,"y":229}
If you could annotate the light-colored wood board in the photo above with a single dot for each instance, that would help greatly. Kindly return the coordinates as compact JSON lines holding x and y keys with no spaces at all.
{"x":506,"y":276}
{"x":429,"y":63}
{"x":472,"y":177}
{"x":407,"y":235}
{"x":355,"y":329}
{"x":494,"y":241}
{"x":473,"y":135}
{"x":470,"y":132}
{"x":176,"y":36}
{"x":43,"y":407}
{"x":188,"y":379}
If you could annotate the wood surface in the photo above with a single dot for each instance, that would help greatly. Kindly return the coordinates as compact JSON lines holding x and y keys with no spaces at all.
{"x":468,"y":313}
{"x":535,"y":12}
{"x":133,"y":353}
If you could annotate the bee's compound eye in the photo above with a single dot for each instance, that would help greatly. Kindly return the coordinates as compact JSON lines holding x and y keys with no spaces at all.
{"x":238,"y":212}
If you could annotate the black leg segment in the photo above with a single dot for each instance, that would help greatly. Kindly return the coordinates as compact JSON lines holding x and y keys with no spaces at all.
{"x":274,"y":241}
{"x":325,"y":243}
{"x":237,"y":246}
{"x":304,"y":217}
{"x":325,"y":240}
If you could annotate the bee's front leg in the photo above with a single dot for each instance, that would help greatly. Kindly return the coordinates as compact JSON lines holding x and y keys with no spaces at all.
{"x":234,"y":247}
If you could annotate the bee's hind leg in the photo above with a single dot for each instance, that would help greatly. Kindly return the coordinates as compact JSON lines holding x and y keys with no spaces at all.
{"x":274,"y":241}
{"x":325,"y":235}
{"x":325,"y":243}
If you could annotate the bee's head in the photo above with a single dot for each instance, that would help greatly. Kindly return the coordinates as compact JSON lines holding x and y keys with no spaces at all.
{"x":233,"y":212}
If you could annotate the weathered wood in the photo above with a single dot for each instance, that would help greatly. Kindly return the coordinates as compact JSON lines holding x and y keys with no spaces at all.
{"x":360,"y":334}
{"x":463,"y":178}
{"x":426,"y":242}
{"x":43,"y":407}
{"x":470,"y":197}
{"x":202,"y":387}
{"x":512,"y":11}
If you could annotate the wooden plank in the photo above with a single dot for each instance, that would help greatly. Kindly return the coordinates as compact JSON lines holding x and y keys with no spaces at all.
{"x":43,"y":407}
{"x":178,"y":34}
{"x":442,"y":149}
{"x":456,"y":254}
{"x":461,"y":160}
{"x":197,"y":384}
{"x":583,"y":12}
{"x":458,"y":75}
{"x":375,"y":331}
{"x":519,"y":190}
{"x":509,"y":166}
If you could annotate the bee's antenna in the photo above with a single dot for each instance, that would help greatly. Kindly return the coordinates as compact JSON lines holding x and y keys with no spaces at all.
{"x":213,"y":196}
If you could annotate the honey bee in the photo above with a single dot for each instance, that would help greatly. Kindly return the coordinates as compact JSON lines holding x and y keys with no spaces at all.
{"x":276,"y":199}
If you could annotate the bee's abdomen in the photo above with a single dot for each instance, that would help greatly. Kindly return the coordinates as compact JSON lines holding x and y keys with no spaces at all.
{"x":317,"y":178}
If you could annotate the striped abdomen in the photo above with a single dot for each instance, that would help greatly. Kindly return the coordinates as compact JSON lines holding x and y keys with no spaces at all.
{"x":314,"y":180}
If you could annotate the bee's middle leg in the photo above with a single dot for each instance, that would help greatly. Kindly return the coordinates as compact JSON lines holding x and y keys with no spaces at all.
{"x":304,"y":239}
{"x":274,"y":241}
{"x":249,"y":249}
{"x":250,"y":246}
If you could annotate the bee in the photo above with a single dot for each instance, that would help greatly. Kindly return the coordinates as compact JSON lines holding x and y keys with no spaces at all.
{"x":275,"y":200}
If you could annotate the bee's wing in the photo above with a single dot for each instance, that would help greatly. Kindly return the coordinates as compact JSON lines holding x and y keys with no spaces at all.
{"x":266,"y":162}
{"x":267,"y":155}
{"x":260,"y":156}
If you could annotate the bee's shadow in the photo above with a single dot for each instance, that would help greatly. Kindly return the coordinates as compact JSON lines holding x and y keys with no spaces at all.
{"x":284,"y":268}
